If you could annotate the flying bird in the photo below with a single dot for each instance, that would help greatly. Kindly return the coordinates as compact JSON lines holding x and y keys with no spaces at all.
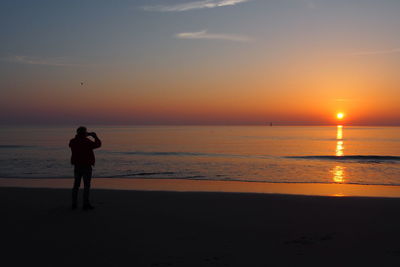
{"x":81,"y":83}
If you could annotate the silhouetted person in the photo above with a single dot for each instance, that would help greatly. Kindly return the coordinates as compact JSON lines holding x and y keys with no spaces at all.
{"x":83,"y":159}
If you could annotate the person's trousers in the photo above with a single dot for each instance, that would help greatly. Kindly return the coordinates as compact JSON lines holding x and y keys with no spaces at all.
{"x":80,"y":172}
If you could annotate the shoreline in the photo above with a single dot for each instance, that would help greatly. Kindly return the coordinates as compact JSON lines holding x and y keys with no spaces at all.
{"x":180,"y":185}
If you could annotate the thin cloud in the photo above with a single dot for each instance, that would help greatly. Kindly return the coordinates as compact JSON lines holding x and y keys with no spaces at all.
{"x":310,"y":4}
{"x":204,"y":35}
{"x":344,"y":100}
{"x":194,"y":5}
{"x":55,"y":62}
{"x":377,"y":52}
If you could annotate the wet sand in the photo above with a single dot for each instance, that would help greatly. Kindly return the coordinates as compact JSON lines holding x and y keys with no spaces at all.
{"x":183,"y":185}
{"x":150,"y":228}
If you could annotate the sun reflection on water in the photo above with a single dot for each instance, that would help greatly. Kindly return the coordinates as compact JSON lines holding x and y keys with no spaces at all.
{"x":339,"y":132}
{"x":338,"y":174}
{"x":339,"y":149}
{"x":339,"y":171}
{"x":339,"y":142}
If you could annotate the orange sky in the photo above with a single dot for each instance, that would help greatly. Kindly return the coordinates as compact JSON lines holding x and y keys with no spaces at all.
{"x":249,"y":63}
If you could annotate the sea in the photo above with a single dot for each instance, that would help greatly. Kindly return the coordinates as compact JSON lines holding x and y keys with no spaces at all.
{"x":277,"y":154}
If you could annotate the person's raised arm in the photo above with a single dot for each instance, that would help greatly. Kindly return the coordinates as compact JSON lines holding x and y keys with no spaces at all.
{"x":97,"y":141}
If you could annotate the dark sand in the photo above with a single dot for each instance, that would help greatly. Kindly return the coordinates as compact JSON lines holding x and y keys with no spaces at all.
{"x":137,"y":228}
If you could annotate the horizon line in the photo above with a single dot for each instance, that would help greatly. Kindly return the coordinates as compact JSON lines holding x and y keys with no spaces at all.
{"x":194,"y":124}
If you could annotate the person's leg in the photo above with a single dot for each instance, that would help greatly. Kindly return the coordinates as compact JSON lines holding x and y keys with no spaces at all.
{"x":75,"y":189}
{"x":87,"y":177}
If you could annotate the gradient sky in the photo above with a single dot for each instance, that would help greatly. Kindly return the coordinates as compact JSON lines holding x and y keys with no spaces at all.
{"x":199,"y":62}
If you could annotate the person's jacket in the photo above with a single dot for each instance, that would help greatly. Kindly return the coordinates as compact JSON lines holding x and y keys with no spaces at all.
{"x":82,"y":150}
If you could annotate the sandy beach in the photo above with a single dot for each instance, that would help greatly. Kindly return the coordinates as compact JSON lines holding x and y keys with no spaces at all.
{"x":155,"y":228}
{"x":200,"y":133}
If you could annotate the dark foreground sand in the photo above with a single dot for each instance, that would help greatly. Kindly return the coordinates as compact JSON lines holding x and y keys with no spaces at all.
{"x":136,"y":228}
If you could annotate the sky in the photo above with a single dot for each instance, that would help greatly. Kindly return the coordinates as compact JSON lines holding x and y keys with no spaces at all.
{"x":199,"y":62}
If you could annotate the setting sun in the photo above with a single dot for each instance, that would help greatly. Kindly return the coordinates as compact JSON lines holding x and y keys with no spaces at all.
{"x":340,"y":116}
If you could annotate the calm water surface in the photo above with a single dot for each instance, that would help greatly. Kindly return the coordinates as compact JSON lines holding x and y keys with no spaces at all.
{"x":358,"y":155}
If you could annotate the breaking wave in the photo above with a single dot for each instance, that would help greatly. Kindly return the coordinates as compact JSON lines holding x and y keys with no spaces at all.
{"x":357,"y":158}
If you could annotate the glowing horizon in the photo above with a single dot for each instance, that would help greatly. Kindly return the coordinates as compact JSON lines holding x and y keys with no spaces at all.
{"x":148,"y":63}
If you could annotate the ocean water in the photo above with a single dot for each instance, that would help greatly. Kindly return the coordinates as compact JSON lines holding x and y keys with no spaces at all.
{"x":281,"y":154}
